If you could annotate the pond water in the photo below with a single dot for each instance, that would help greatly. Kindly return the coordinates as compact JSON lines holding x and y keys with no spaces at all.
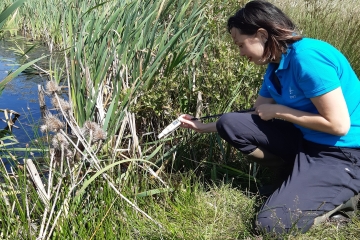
{"x":21,"y":94}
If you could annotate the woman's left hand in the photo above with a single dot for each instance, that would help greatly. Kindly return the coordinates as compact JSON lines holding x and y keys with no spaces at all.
{"x":266,"y":111}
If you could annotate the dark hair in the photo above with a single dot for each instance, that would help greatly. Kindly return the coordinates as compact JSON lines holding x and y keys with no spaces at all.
{"x":262,"y":14}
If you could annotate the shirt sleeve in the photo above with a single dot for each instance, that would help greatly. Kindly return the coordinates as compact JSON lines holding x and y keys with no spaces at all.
{"x":317,"y":71}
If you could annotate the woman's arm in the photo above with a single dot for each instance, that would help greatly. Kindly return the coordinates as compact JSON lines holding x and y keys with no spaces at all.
{"x":263,"y":100}
{"x":196,"y":125}
{"x":333,"y":117}
{"x":200,"y":127}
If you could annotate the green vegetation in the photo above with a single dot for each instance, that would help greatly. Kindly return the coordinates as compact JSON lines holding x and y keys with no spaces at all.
{"x":131,"y":67}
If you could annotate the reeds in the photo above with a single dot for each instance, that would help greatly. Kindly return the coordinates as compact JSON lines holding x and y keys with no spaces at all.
{"x":123,"y":63}
{"x":113,"y":53}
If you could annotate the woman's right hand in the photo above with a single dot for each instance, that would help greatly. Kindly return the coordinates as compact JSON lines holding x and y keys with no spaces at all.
{"x":196,"y":125}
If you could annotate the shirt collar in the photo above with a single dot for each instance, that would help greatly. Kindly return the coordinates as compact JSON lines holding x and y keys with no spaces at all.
{"x":285,"y":58}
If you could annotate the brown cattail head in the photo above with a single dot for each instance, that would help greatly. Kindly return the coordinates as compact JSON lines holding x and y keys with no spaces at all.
{"x":99,"y":135}
{"x":52,"y":124}
{"x":61,"y":104}
{"x":43,"y":128}
{"x":95,"y":130}
{"x":52,"y":87}
{"x":59,"y":140}
{"x":89,"y":127}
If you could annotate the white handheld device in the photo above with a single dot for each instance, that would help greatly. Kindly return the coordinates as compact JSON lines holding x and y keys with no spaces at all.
{"x":172,"y":127}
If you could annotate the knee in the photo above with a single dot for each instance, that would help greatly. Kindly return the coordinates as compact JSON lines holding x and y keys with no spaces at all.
{"x":234,"y":128}
{"x":230,"y":123}
{"x":223,"y":125}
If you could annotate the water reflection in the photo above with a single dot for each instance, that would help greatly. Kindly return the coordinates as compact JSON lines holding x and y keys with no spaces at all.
{"x":21,"y":94}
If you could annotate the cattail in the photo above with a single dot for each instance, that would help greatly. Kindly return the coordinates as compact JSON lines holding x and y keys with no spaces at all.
{"x":99,"y":135}
{"x":96,"y":132}
{"x":52,"y":123}
{"x":43,"y":128}
{"x":69,"y":153}
{"x":65,"y":105}
{"x":88,"y":127}
{"x":59,"y":140}
{"x":52,"y":87}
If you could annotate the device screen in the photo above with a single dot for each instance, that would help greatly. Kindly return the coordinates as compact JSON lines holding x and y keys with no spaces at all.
{"x":175,"y":122}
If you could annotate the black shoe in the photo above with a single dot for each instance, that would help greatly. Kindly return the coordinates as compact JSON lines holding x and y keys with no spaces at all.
{"x":347,"y":210}
{"x":341,"y":214}
{"x":340,"y":218}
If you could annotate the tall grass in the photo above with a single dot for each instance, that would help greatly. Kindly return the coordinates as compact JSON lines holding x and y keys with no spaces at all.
{"x":333,"y":21}
{"x":130,"y":67}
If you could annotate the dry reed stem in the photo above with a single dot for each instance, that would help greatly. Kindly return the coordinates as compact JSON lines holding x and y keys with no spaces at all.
{"x":132,"y":126}
{"x":58,"y":187}
{"x":40,"y":188}
{"x":27,"y":206}
{"x":100,"y":106}
{"x":121,"y":132}
{"x":8,"y":119}
{"x":199,"y":105}
{"x":41,"y":97}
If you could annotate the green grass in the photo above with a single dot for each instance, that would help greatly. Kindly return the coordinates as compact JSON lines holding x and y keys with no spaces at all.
{"x":184,"y":214}
{"x":132,"y":68}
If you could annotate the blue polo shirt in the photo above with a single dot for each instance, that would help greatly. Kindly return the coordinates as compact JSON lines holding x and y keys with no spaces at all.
{"x":308,"y":69}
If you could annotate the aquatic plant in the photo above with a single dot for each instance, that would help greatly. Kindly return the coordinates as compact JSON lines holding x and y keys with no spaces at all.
{"x":132,"y":66}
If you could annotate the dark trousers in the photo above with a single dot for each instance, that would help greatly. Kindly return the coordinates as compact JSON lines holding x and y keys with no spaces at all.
{"x":323,"y":177}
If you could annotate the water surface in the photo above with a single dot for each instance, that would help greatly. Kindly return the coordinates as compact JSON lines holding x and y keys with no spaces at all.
{"x":21,"y":94}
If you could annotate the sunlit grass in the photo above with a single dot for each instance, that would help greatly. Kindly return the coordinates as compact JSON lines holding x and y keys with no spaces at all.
{"x":131,"y":68}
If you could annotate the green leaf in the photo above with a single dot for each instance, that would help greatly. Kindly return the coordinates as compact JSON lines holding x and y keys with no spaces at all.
{"x":101,"y":171}
{"x":153,"y":192}
{"x":154,"y":152}
{"x":16,"y":73}
{"x":6,"y":13}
